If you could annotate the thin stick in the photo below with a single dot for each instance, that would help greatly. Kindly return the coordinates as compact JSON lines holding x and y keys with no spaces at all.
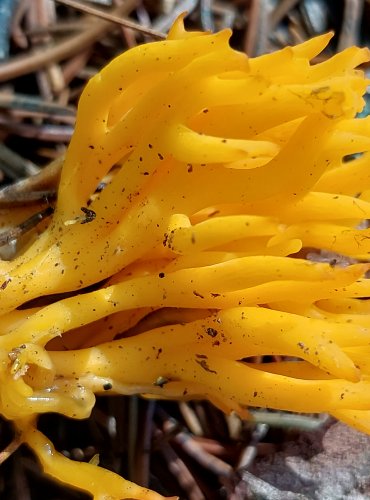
{"x":178,"y":467}
{"x":32,"y":61}
{"x":112,"y":18}
{"x":14,"y":165}
{"x":143,"y":445}
{"x":187,"y":443}
{"x":37,"y":187}
{"x":10,"y":449}
{"x":351,"y":26}
{"x":54,"y":133}
{"x":281,"y":11}
{"x":26,"y":102}
{"x":250,"y":452}
{"x":258,"y":28}
{"x":12,"y":234}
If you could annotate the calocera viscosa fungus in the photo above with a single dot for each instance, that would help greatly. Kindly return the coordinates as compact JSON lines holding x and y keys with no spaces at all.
{"x":221,"y":169}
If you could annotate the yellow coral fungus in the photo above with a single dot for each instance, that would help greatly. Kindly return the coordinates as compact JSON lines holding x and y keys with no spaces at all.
{"x":222,"y":169}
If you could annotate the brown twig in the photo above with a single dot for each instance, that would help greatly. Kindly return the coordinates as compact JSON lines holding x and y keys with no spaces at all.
{"x":191,"y":419}
{"x":14,"y":165}
{"x":352,"y":17}
{"x":178,"y":467}
{"x":194,"y":449}
{"x":143,"y":444}
{"x":55,"y":133}
{"x":250,"y":451}
{"x":281,"y":11}
{"x":10,"y":449}
{"x":258,"y":28}
{"x":27,"y":63}
{"x":33,"y":188}
{"x":112,"y":18}
{"x":33,"y":104}
{"x":17,"y":31}
{"x":12,"y":234}
{"x":72,"y":67}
